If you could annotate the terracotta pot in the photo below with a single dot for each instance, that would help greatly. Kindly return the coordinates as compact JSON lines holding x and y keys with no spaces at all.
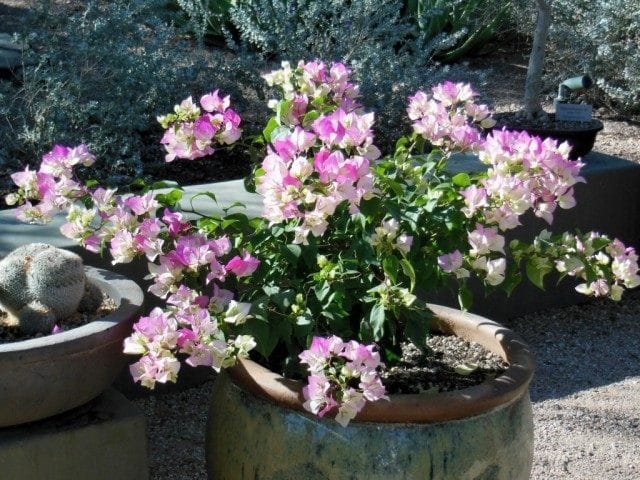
{"x":257,"y":427}
{"x":45,"y":376}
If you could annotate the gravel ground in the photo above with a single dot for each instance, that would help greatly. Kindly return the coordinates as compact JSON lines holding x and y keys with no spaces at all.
{"x":586,"y":399}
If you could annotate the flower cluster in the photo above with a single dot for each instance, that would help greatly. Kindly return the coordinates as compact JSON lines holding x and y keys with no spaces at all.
{"x":343,"y":376}
{"x":449,"y":116}
{"x":191,"y":134}
{"x":196,"y":324}
{"x":389,"y":227}
{"x":525,"y":173}
{"x":53,"y":185}
{"x":310,"y":82}
{"x":312,"y":166}
{"x":606,"y":267}
{"x":386,"y":236}
{"x":193,"y":325}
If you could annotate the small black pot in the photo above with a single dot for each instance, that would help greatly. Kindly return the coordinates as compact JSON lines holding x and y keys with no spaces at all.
{"x":580,"y":135}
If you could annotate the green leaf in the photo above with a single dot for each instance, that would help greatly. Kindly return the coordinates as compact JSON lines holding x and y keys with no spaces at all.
{"x":600,"y":242}
{"x":401,"y":143}
{"x":512,"y":278}
{"x":537,"y":268}
{"x":138,"y":185}
{"x":279,"y":133}
{"x":366,"y":332}
{"x":283,"y":300}
{"x":270,"y":290}
{"x":417,"y":327}
{"x":465,"y":297}
{"x":392,"y":356}
{"x":390,"y":266}
{"x":283,"y":109}
{"x":291,"y":253}
{"x":164,"y":184}
{"x":310,"y":117}
{"x":303,"y":321}
{"x":169,"y":199}
{"x":210,"y":195}
{"x":234,"y":205}
{"x":272,"y":124}
{"x":376,"y":320}
{"x":262,"y":332}
{"x":461,"y":180}
{"x":208,"y":224}
{"x":310,"y":253}
{"x":408,"y":270}
{"x":322,"y":290}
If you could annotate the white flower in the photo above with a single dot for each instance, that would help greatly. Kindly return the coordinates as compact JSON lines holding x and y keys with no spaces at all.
{"x":237,"y":313}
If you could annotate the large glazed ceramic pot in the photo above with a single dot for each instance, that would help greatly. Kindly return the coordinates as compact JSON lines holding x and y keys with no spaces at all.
{"x":45,"y":376}
{"x":257,"y":427}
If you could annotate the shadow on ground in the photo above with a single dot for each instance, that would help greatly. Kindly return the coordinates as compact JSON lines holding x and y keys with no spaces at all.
{"x":582,"y":346}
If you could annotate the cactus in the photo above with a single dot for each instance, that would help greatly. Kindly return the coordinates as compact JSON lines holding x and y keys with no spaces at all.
{"x":41,"y":284}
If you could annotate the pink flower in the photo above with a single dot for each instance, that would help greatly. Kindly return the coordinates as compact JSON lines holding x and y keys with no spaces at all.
{"x":372,"y":387}
{"x":123,"y":247}
{"x":484,"y":240}
{"x":244,"y":266}
{"x":158,"y":325}
{"x":452,"y":263}
{"x":212,"y":102}
{"x":474,"y":199}
{"x":299,"y":105}
{"x":329,"y":128}
{"x":141,"y":205}
{"x":285,"y":148}
{"x":449,"y":93}
{"x":151,"y":369}
{"x":327,"y":164}
{"x":363,"y":358}
{"x":315,"y":70}
{"x":174,"y":222}
{"x":203,"y":130}
{"x":317,"y":395}
{"x":352,"y":402}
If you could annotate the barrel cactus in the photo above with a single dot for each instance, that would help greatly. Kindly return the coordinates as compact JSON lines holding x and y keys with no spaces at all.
{"x":41,"y":284}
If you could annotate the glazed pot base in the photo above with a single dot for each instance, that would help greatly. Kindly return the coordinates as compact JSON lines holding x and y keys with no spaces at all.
{"x":275,"y":443}
{"x":258,"y":428}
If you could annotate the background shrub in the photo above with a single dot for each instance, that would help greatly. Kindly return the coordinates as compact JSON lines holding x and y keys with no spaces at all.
{"x":390,"y":56}
{"x":101,"y":75}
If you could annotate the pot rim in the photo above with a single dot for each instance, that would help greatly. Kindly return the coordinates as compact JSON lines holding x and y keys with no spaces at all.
{"x":503,"y":121}
{"x":421,"y":407}
{"x":126,"y":293}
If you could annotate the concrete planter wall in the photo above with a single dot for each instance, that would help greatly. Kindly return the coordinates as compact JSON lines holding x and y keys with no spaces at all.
{"x":45,"y":376}
{"x":258,"y":429}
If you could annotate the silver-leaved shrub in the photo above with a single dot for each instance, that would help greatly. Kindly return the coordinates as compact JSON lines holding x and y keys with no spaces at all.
{"x":100,"y":75}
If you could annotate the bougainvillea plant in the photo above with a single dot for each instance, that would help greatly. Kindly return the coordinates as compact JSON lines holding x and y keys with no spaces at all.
{"x":325,"y":283}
